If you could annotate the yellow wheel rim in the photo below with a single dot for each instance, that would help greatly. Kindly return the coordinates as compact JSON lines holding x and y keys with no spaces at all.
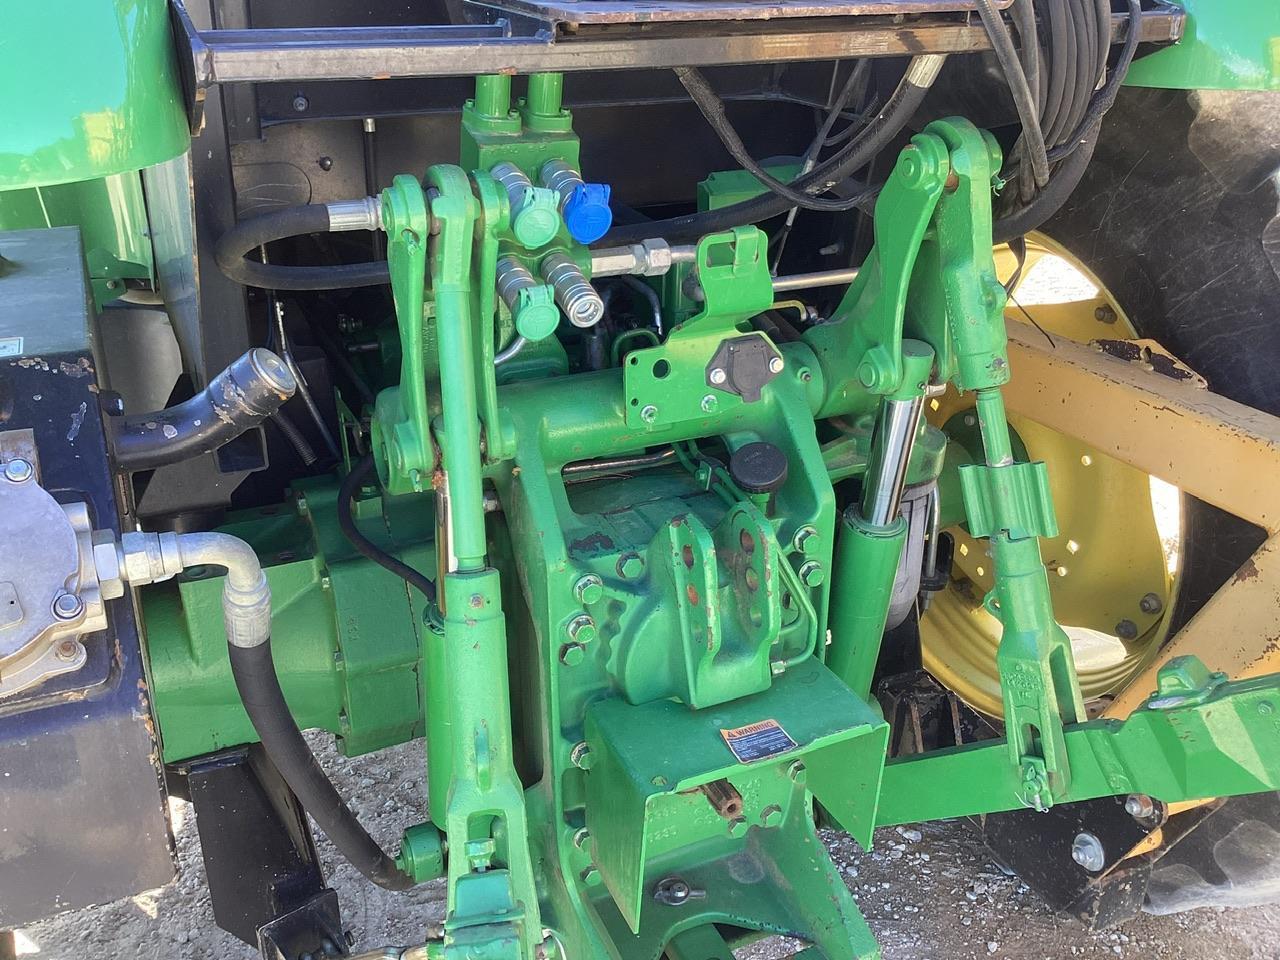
{"x":1112,"y":569}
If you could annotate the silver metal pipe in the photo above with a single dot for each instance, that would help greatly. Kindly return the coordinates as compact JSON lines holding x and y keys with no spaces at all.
{"x":577,"y":298}
{"x":509,"y":351}
{"x":806,"y":281}
{"x":891,"y":443}
{"x":648,"y":258}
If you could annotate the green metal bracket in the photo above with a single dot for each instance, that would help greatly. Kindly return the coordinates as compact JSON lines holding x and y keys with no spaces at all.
{"x":860,"y":350}
{"x":671,"y":383}
{"x":402,"y":422}
{"x":1197,"y":737}
{"x":1014,"y":497}
{"x":806,"y":732}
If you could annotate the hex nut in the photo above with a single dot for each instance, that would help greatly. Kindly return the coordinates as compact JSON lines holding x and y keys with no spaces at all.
{"x":572,"y":654}
{"x":771,"y":815}
{"x":738,"y":827}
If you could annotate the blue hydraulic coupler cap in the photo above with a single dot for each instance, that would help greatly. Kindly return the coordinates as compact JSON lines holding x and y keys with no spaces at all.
{"x":587,"y":214}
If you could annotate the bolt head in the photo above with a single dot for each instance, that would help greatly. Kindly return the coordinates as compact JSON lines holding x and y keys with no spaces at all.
{"x":717,"y":375}
{"x":1086,"y":850}
{"x":19,"y":471}
{"x":738,"y":827}
{"x":67,"y":651}
{"x":1151,"y":603}
{"x":1126,"y":630}
{"x":811,"y":573}
{"x":709,"y":403}
{"x":581,"y":756}
{"x":572,"y":654}
{"x":1139,"y":806}
{"x":580,"y":838}
{"x":589,"y":589}
{"x":68,"y":606}
{"x":301,"y":103}
{"x":771,"y":815}
{"x":648,"y":413}
{"x":776,"y":364}
{"x":806,"y":540}
{"x":581,"y":629}
{"x":796,"y":772}
{"x":630,"y":566}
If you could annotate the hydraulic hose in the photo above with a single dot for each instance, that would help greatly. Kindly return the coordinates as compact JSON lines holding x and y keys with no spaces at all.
{"x":366,"y":547}
{"x":255,"y":676}
{"x":248,"y":235}
{"x":248,"y":391}
{"x":246,"y":611}
{"x":873,"y":138}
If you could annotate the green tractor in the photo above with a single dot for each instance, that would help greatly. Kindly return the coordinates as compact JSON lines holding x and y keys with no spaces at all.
{"x":684,"y":485}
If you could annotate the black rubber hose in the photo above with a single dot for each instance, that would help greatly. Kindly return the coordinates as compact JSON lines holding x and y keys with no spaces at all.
{"x":873,"y":138}
{"x":366,"y":547}
{"x":254,"y":672}
{"x":240,"y":397}
{"x":1047,"y":202}
{"x":712,"y":108}
{"x":1105,"y":97}
{"x":1032,"y":140}
{"x":249,"y":235}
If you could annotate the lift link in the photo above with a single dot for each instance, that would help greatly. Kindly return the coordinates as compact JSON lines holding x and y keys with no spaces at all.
{"x":1006,"y":501}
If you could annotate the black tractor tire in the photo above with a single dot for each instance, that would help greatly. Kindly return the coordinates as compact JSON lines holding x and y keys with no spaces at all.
{"x":1179,"y":216}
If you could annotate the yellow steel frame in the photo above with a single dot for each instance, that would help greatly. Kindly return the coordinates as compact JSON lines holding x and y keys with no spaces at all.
{"x":1223,"y":452}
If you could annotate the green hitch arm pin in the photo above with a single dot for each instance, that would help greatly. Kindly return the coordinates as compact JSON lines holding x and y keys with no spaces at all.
{"x":535,"y":211}
{"x":872,"y":533}
{"x":532,"y":304}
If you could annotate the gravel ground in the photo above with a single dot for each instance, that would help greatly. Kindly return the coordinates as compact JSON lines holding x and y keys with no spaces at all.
{"x":928,"y":892}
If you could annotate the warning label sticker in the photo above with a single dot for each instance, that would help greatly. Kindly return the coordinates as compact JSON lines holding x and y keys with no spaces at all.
{"x":758,"y":741}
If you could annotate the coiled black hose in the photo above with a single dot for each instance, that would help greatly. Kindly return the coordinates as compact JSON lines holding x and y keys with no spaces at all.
{"x":254,"y":672}
{"x":366,"y":547}
{"x":248,"y":235}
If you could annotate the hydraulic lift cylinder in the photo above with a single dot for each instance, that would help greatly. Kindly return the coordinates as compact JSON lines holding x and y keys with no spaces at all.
{"x":872,"y":534}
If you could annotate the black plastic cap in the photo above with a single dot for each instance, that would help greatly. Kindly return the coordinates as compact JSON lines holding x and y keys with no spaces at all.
{"x":758,"y":467}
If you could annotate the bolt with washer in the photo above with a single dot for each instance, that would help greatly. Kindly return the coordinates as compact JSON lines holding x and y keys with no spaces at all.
{"x":648,"y":413}
{"x":1087,"y":850}
{"x":1139,"y":806}
{"x":67,"y":606}
{"x":717,"y":375}
{"x":1151,"y":603}
{"x":588,"y":589}
{"x":776,"y":364}
{"x":19,"y":470}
